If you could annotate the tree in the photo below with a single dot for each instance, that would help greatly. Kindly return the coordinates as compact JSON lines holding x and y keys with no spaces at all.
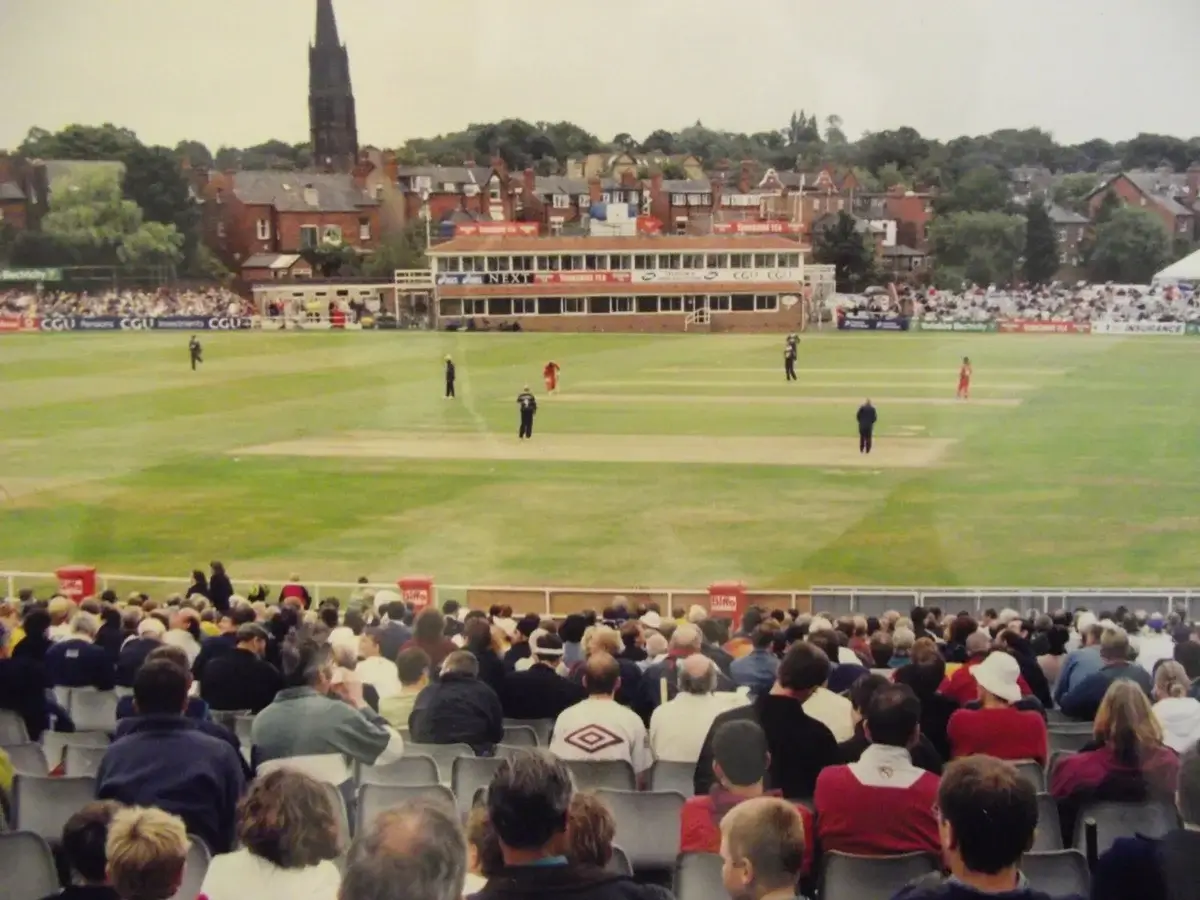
{"x":95,"y":224}
{"x":905,"y":147}
{"x":662,"y":141}
{"x":624,"y":142}
{"x":983,"y":189}
{"x":842,"y":246}
{"x":333,"y":259}
{"x":889,"y":176}
{"x":1109,"y":204}
{"x":196,"y":154}
{"x":833,"y":130}
{"x":1041,"y":244}
{"x":984,"y":245}
{"x":403,"y":249}
{"x":227,"y":158}
{"x":672,"y":169}
{"x":1129,"y":247}
{"x":1073,"y":190}
{"x":78,"y":142}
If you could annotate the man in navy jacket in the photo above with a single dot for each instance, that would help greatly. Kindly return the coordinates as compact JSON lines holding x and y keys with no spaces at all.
{"x":165,"y":761}
{"x":78,"y":663}
{"x":1083,"y":700}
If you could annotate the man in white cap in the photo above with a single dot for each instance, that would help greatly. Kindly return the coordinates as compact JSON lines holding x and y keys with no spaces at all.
{"x":540,"y":692}
{"x":1155,"y":644}
{"x":998,"y":727}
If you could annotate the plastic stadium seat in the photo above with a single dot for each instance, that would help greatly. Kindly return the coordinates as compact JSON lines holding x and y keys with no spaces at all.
{"x":227,"y":718}
{"x":84,"y":761}
{"x":376,"y":798}
{"x":243,"y":727}
{"x":1048,"y":836}
{"x":93,"y":710}
{"x":520,"y":736}
{"x":1055,"y":758}
{"x":12,"y":728}
{"x":1032,"y":772}
{"x":442,"y":754}
{"x":340,"y":813}
{"x":848,"y":877}
{"x":647,"y":825}
{"x":27,"y":758}
{"x":1072,"y":739}
{"x":541,"y":727}
{"x":409,"y":770}
{"x":194,"y":869}
{"x":672,"y":776}
{"x":469,"y":775}
{"x":330,"y":768}
{"x":28,"y":866}
{"x":618,"y":863}
{"x":43,"y":805}
{"x":698,"y":877}
{"x":1060,"y":874}
{"x":1115,"y":820}
{"x":63,"y":696}
{"x":504,"y":751}
{"x":1057,"y":717}
{"x":615,"y":774}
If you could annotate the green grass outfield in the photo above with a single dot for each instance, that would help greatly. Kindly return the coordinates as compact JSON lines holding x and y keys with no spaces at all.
{"x":113,"y":453}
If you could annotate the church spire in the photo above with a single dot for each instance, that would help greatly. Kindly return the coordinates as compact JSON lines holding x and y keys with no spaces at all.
{"x":327,"y":31}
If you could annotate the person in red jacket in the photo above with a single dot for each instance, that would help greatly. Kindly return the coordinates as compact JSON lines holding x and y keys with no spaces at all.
{"x":550,"y":374}
{"x":882,"y":805}
{"x":740,"y":764}
{"x":998,"y":728}
{"x":961,"y":685}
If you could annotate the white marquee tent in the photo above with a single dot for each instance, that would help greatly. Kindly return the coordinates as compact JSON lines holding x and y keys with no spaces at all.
{"x":1187,"y":269}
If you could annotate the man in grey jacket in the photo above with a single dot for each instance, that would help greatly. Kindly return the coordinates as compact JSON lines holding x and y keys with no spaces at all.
{"x":315,"y":716}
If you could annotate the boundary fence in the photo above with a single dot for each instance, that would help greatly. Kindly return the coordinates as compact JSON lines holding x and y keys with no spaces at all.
{"x":559,"y":601}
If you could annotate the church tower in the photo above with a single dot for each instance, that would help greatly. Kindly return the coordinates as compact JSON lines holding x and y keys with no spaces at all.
{"x":333,"y":126}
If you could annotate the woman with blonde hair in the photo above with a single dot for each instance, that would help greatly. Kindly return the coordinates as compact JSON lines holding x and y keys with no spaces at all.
{"x":1130,"y":762}
{"x":1178,"y":714}
{"x":289,"y":831}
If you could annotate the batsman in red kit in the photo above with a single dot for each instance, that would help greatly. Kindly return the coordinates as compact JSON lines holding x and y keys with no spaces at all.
{"x":964,"y":380}
{"x":550,"y":374}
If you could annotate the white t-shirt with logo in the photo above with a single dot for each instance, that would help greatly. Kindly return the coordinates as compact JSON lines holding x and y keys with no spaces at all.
{"x":601,"y":729}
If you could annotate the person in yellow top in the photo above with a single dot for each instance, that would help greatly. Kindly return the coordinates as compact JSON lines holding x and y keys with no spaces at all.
{"x":412,"y":665}
{"x":10,"y":621}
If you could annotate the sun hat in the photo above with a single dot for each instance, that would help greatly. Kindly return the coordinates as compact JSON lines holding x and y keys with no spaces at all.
{"x":999,"y":674}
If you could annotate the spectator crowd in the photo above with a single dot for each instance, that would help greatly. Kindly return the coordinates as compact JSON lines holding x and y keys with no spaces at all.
{"x":252,"y":726}
{"x":215,"y":301}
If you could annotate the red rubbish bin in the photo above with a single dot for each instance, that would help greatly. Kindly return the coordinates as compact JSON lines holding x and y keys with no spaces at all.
{"x":77,"y":582}
{"x":417,"y":590}
{"x":727,"y":598}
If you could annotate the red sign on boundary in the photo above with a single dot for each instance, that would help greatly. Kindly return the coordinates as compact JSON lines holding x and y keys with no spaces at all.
{"x":750,"y":227}
{"x":18,"y":323}
{"x":1042,"y":326}
{"x":583,"y":278}
{"x":496,"y":229}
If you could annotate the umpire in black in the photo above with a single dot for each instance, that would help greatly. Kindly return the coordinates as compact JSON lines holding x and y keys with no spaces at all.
{"x":195,"y":351}
{"x":789,"y":357}
{"x":528,"y":407}
{"x":867,"y":417}
{"x":449,"y":377}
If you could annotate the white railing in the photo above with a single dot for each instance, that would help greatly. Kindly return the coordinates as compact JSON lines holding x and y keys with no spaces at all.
{"x":837,"y":599}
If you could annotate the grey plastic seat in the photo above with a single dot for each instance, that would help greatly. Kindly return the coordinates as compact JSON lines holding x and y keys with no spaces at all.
{"x":227,"y":718}
{"x":520,"y":736}
{"x":618,"y":863}
{"x":1072,"y":739}
{"x":83,"y":761}
{"x":615,"y":774}
{"x":541,"y":727}
{"x":469,"y":775}
{"x":672,"y":776}
{"x":410,"y":770}
{"x":1116,"y":820}
{"x":442,"y":754}
{"x":27,"y":758}
{"x":506,"y":751}
{"x":43,"y":805}
{"x":1056,"y":757}
{"x":194,"y":869}
{"x":1063,"y":873}
{"x":647,"y":825}
{"x":12,"y":728}
{"x":1032,"y":772}
{"x":698,"y":877}
{"x":93,"y":710}
{"x":1048,"y":836}
{"x":28,"y":866}
{"x":376,"y":798}
{"x":338,"y":800}
{"x":848,"y":877}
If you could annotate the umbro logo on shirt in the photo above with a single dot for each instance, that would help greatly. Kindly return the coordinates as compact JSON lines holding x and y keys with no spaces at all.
{"x":593,"y":739}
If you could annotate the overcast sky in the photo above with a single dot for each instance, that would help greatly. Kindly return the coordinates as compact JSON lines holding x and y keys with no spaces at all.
{"x":235,"y":71}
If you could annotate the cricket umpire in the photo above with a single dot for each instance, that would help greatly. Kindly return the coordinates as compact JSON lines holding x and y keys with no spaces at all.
{"x":867,"y":417}
{"x":789,"y":356}
{"x":528,"y":407}
{"x":195,"y":351}
{"x":449,"y":377}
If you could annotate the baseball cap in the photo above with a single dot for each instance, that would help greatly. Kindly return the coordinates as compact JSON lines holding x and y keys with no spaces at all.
{"x":546,"y":644}
{"x":252,"y":631}
{"x":998,"y":674}
{"x":1156,"y":622}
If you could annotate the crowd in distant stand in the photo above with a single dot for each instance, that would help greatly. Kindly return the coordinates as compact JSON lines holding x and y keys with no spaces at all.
{"x":807,"y":734}
{"x":215,"y":301}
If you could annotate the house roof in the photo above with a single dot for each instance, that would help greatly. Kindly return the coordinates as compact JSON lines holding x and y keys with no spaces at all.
{"x":686,"y":186}
{"x":558,"y":184}
{"x":286,"y":191}
{"x":1155,"y":186}
{"x":10,"y":190}
{"x":57,"y":169}
{"x":619,"y":290}
{"x":456,"y":174}
{"x":1061,"y":216}
{"x":606,"y":244}
{"x":271,"y":261}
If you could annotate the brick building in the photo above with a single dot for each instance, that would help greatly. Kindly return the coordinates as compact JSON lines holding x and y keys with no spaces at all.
{"x":910,"y":210}
{"x":249,"y":214}
{"x":12,"y":206}
{"x":1165,"y":196}
{"x":452,"y":192}
{"x":1070,"y":229}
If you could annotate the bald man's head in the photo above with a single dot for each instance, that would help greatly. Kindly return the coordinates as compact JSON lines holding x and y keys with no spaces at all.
{"x":601,"y":674}
{"x":697,"y":675}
